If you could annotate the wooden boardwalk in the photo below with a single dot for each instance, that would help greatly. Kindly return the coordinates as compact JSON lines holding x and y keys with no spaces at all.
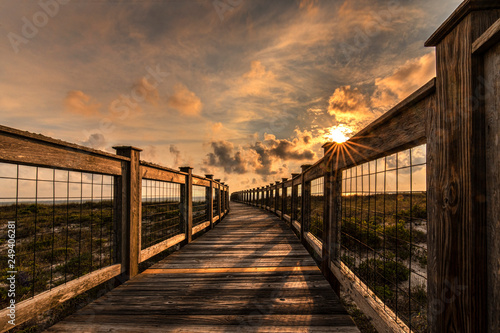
{"x":249,"y":274}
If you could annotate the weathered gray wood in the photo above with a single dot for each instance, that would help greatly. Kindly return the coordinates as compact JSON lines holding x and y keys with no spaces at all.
{"x":131,"y":209}
{"x":456,"y":181}
{"x":492,"y":101}
{"x":488,"y":39}
{"x":160,"y":247}
{"x":34,"y":149}
{"x":31,"y":308}
{"x":161,"y":174}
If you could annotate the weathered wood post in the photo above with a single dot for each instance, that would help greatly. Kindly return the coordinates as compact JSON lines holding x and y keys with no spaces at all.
{"x":130,"y":200}
{"x":305,"y":202}
{"x":456,"y":176}
{"x":223,"y":198}
{"x":331,"y":222}
{"x":210,"y":200}
{"x":219,"y":197}
{"x":187,"y":202}
{"x":266,"y":202}
{"x":271,"y":196}
{"x":283,"y":197}
{"x":293,"y":208}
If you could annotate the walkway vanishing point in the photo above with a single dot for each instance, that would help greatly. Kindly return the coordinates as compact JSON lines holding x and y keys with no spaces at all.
{"x":249,"y":274}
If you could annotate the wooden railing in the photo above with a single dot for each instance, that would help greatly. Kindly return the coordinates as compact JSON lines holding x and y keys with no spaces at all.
{"x":442,"y":233}
{"x":82,"y":217}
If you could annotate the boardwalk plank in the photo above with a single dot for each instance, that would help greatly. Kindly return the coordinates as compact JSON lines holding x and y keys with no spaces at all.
{"x":248,"y":274}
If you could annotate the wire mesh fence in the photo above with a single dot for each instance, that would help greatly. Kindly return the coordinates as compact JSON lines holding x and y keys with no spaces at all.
{"x":279,"y":199}
{"x":200,"y":209}
{"x":215,"y":195}
{"x":161,"y":215}
{"x":287,"y":209}
{"x":297,"y":204}
{"x":384,"y":231}
{"x":65,"y":225}
{"x":316,"y":208}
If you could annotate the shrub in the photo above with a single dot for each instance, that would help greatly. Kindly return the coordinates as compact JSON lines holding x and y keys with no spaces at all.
{"x":381,"y":272}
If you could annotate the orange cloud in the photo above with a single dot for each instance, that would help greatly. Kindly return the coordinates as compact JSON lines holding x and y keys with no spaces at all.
{"x":142,"y":90}
{"x":185,"y":101}
{"x":350,"y":107}
{"x":309,"y":6}
{"x":404,"y":81}
{"x":78,"y":102}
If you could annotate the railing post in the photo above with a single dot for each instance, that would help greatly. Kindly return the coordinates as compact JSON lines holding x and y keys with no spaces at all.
{"x":283,"y":197}
{"x":219,"y":197}
{"x":130,"y":200}
{"x":456,"y":176}
{"x":331,"y":230}
{"x":223,"y":196}
{"x":210,"y":200}
{"x":276,"y":196}
{"x":293,"y":208}
{"x":304,"y":223}
{"x":187,"y":202}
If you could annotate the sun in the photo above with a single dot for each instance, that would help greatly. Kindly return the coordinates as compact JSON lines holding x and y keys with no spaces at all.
{"x":338,"y":134}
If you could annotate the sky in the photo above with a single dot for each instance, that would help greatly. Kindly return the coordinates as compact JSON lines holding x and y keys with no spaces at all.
{"x":247,"y":90}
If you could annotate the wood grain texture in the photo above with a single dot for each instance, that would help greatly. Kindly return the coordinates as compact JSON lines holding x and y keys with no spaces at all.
{"x":199,"y":227}
{"x":31,"y":149}
{"x":456,"y":183}
{"x":239,"y":277}
{"x":492,"y":101}
{"x":155,"y":173}
{"x":130,"y":202}
{"x":31,"y":308}
{"x":160,"y":247}
{"x":488,"y":39}
{"x":201,"y":181}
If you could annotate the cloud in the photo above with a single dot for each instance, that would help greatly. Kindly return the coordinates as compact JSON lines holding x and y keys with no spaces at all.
{"x":142,"y":90}
{"x":225,"y":157}
{"x":404,"y":81}
{"x":289,"y":150}
{"x":96,"y":141}
{"x":78,"y":102}
{"x":264,"y":158}
{"x":258,"y":71}
{"x":309,"y":5}
{"x":185,"y":101}
{"x":350,"y":107}
{"x":177,"y":154}
{"x":258,"y":81}
{"x":149,"y":153}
